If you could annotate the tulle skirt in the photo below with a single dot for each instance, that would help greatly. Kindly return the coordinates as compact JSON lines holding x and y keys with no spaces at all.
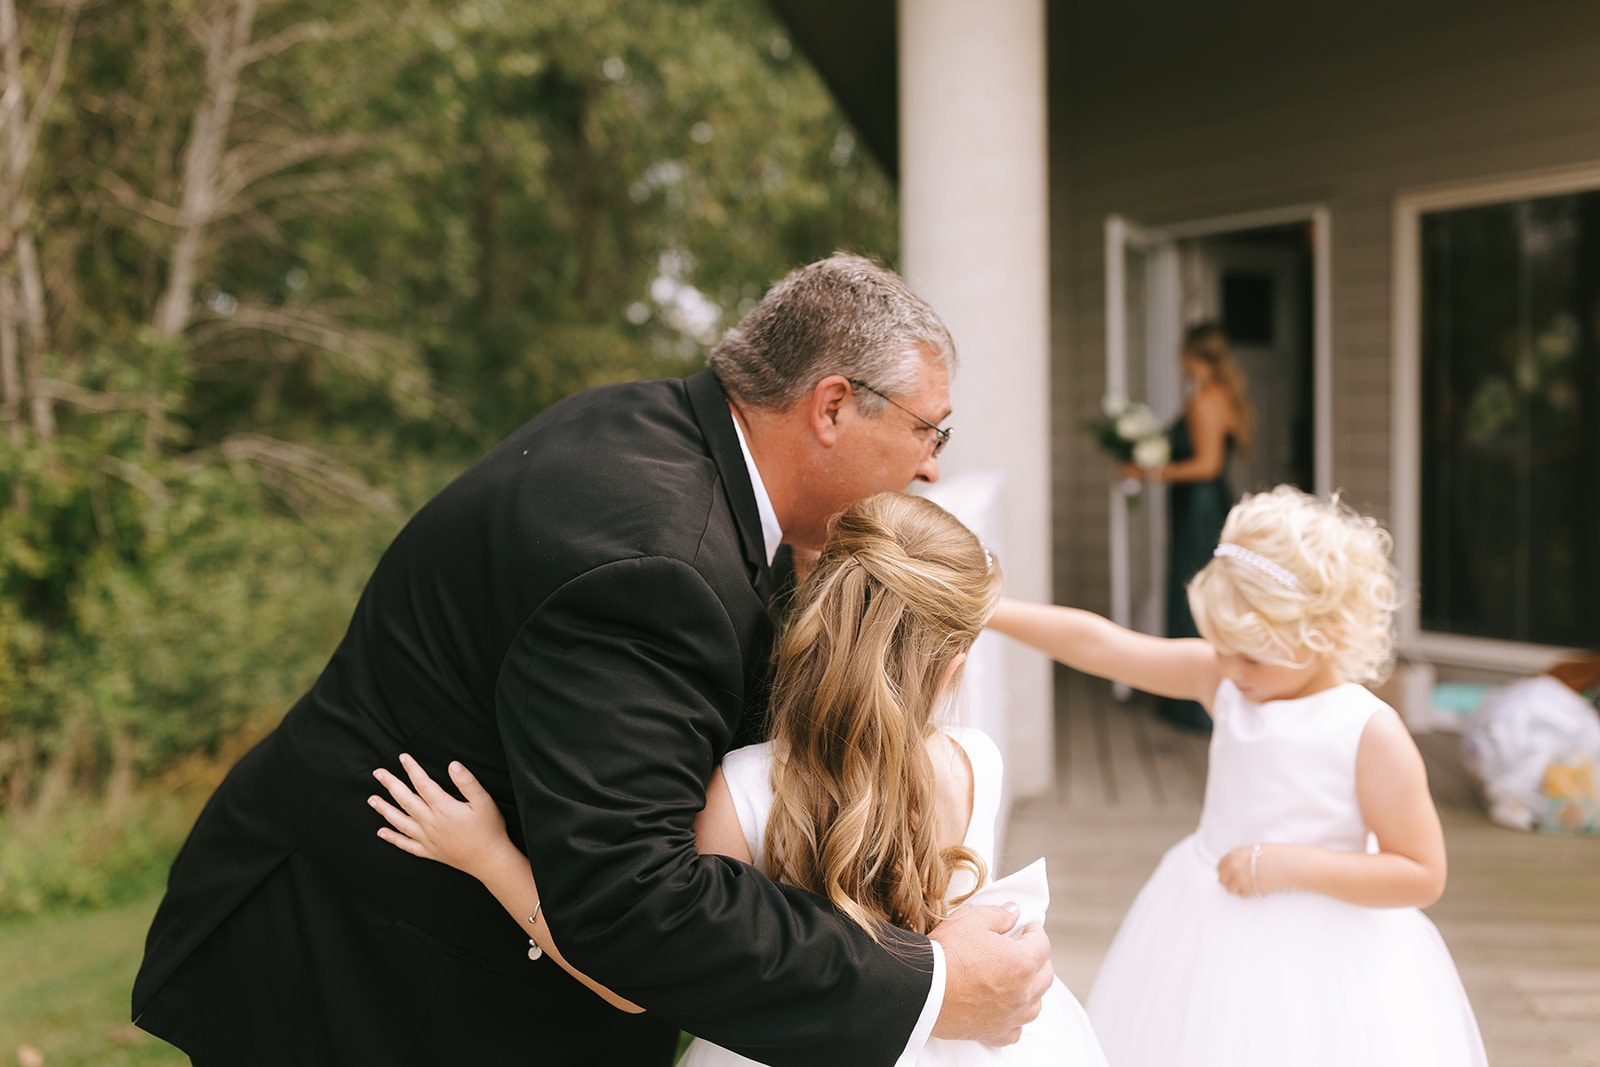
{"x":1059,"y":1037}
{"x":1197,"y":977}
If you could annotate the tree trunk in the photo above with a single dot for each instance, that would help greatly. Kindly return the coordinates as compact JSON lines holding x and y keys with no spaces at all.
{"x":35,"y":338}
{"x":13,"y":119}
{"x":586,"y":194}
{"x":22,"y":125}
{"x":486,"y":223}
{"x":10,"y":382}
{"x":119,"y":785}
{"x":17,"y":758}
{"x":13,"y":215}
{"x":226,"y":56}
{"x":55,"y":781}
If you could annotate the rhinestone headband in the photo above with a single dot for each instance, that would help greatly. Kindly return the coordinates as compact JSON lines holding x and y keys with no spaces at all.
{"x":1260,"y":563}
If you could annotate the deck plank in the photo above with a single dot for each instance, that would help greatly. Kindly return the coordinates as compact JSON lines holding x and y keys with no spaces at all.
{"x":1084,"y":785}
{"x":1448,"y":780}
{"x":1179,"y":758}
{"x":1127,"y":762}
{"x":1155,"y":776}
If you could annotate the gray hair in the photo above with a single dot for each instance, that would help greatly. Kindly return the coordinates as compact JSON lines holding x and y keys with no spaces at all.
{"x":841,"y":315}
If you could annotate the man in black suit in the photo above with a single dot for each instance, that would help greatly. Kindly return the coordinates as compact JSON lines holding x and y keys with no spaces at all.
{"x":582,"y":619}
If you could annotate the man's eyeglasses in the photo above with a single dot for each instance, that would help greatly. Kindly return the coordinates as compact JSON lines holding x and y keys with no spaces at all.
{"x":941,"y":437}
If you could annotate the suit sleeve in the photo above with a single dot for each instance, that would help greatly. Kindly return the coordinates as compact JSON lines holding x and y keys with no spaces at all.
{"x":612,"y":703}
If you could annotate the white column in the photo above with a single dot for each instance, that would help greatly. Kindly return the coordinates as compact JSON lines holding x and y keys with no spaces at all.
{"x":975,"y":245}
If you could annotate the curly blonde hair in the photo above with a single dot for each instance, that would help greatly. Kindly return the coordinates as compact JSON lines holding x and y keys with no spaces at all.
{"x":1346,"y":599}
{"x":901,"y":589}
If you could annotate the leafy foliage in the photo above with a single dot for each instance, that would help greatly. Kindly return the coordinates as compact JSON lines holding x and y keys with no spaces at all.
{"x":272,"y":271}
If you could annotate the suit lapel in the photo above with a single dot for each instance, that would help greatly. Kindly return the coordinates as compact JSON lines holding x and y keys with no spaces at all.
{"x":710,"y":405}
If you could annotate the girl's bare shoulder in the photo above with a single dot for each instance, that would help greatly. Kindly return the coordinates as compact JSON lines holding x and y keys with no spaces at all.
{"x":1213,"y":399}
{"x":953,"y":787}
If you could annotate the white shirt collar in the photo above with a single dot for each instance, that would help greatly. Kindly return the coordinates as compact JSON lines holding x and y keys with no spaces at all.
{"x":771,"y":532}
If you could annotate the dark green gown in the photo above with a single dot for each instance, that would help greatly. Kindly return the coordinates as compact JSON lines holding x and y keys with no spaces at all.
{"x":1195,"y":513}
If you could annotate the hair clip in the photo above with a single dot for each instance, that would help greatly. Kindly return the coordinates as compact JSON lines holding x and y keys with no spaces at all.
{"x":1260,"y":563}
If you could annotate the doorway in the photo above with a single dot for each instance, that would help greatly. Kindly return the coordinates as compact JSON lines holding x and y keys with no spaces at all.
{"x":1257,"y":284}
{"x":1264,"y":278}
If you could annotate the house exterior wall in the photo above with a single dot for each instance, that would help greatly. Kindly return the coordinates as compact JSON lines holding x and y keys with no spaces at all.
{"x":1204,"y":113}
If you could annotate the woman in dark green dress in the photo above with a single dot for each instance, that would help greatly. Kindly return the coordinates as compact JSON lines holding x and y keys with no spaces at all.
{"x":1217,"y":421}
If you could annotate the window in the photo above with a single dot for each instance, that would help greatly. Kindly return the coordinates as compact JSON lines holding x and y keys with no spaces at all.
{"x":1509,"y":478}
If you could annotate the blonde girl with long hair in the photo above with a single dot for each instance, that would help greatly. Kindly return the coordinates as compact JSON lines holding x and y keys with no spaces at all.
{"x":860,"y":796}
{"x":1275,"y":935}
{"x":1217,"y":421}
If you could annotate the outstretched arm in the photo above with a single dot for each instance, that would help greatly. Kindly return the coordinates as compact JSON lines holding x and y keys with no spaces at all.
{"x":1185,"y":668}
{"x":1409,"y":869}
{"x":471,"y":837}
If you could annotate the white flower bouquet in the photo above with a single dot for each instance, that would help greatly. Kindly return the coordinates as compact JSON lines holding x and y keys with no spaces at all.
{"x":1130,"y":433}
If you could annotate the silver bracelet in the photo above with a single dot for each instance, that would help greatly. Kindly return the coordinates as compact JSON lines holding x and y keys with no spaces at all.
{"x":534,"y":951}
{"x":1255,"y":854}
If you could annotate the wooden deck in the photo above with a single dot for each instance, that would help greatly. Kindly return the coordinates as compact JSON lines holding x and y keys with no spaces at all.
{"x":1521,"y":914}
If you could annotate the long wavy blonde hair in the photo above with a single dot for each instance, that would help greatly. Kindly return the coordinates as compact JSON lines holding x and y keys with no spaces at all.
{"x":901,"y":589}
{"x":1208,"y":342}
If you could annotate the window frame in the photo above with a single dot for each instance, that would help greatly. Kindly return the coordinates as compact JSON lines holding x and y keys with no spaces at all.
{"x":1415,"y":643}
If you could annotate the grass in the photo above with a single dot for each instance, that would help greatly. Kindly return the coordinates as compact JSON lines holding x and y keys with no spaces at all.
{"x":89,"y":856}
{"x":65,"y":980}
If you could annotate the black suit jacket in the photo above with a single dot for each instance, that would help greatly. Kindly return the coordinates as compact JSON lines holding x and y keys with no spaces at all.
{"x":580,"y":618}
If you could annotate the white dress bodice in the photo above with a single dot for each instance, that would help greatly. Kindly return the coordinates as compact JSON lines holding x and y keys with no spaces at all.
{"x":1198,"y":976}
{"x":1285,"y":771}
{"x":1060,"y":1035}
{"x":749,"y":776}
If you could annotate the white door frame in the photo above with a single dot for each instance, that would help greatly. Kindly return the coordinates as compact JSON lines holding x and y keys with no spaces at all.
{"x":1406,"y":474}
{"x":1120,"y":234}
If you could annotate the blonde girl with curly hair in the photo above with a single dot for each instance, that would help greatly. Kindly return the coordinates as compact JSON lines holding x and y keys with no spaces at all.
{"x":860,"y":796}
{"x":1284,"y":931}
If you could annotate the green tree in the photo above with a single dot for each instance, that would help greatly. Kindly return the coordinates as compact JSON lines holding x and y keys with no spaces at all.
{"x":271,"y":271}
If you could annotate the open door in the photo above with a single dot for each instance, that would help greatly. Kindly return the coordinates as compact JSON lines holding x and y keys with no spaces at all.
{"x":1143,"y":308}
{"x":1258,"y":284}
{"x":1264,"y":277}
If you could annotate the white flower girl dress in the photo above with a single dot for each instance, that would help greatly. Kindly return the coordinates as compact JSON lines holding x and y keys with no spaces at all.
{"x":1198,"y":977}
{"x":1059,"y":1037}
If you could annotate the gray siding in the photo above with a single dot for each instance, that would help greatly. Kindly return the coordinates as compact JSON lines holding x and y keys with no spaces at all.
{"x":1199,"y":111}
